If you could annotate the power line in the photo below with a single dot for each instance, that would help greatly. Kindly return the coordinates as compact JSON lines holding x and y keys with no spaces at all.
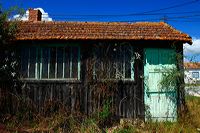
{"x":82,"y":17}
{"x":121,"y":15}
{"x":85,"y":17}
{"x":151,"y":12}
{"x":187,"y":21}
{"x":190,"y":17}
{"x":174,"y":6}
{"x":137,"y":20}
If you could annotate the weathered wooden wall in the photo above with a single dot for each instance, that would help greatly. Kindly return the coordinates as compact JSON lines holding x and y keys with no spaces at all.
{"x":125,"y":98}
{"x":86,"y":95}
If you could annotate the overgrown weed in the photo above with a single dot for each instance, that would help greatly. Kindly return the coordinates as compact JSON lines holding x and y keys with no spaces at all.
{"x":62,"y":121}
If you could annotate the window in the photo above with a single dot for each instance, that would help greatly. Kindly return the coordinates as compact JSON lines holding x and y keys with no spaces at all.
{"x":50,"y":62}
{"x":195,"y":75}
{"x":114,"y":62}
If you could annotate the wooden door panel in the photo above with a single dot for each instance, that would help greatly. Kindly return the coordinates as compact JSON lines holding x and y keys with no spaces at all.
{"x":161,"y":103}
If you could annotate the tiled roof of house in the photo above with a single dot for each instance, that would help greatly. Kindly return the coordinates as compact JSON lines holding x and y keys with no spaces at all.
{"x":192,"y":65}
{"x":99,"y":30}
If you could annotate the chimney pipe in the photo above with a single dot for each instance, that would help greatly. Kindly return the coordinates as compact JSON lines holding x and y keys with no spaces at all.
{"x":34,"y":15}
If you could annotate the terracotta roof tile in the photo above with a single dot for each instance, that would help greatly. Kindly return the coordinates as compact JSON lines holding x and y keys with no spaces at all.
{"x":192,"y":65}
{"x":99,"y":30}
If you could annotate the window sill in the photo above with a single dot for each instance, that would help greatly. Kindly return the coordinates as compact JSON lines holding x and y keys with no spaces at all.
{"x":77,"y":81}
{"x":51,"y":80}
{"x":115,"y":80}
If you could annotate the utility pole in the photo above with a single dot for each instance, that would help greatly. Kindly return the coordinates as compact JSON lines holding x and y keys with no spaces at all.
{"x":164,"y":19}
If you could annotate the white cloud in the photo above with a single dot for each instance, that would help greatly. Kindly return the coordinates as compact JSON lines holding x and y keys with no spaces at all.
{"x":194,"y":48}
{"x":45,"y":16}
{"x":192,"y":52}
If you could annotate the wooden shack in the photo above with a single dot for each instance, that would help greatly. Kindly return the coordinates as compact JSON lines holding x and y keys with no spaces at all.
{"x":83,"y":65}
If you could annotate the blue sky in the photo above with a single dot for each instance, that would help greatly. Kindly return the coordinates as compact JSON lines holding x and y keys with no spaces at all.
{"x":184,"y":15}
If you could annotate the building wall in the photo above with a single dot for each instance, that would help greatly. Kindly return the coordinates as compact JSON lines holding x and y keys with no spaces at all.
{"x":192,"y":76}
{"x":87,"y":94}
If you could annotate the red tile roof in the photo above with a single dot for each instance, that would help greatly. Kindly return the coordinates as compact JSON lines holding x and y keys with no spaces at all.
{"x":99,"y":30}
{"x":192,"y":65}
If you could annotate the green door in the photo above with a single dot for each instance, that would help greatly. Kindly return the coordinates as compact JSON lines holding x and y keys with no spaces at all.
{"x":160,"y":103}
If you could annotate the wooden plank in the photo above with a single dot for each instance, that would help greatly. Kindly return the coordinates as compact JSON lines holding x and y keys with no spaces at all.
{"x":63,"y":71}
{"x":73,"y":97}
{"x":86,"y":99}
{"x":49,"y":57}
{"x":36,"y":65}
{"x":89,"y":101}
{"x":40,"y":75}
{"x":71,"y":58}
{"x":29,"y":61}
{"x":79,"y":62}
{"x":68,"y":96}
{"x":135,"y":94}
{"x":132,"y":64}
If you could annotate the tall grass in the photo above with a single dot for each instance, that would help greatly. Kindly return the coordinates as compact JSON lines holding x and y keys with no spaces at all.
{"x":189,"y":123}
{"x":61,"y":121}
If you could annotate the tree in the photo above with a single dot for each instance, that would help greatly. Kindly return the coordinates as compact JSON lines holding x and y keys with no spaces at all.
{"x":8,"y":29}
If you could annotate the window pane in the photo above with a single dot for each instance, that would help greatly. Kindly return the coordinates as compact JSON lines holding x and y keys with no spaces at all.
{"x":74,"y":62}
{"x":52,"y":62}
{"x":32,"y":62}
{"x":113,"y":66}
{"x":128,"y":56}
{"x":99,"y":63}
{"x":120,"y":63}
{"x":67,"y":63}
{"x":113,"y":63}
{"x":44,"y":62}
{"x":24,"y":62}
{"x":59,"y":62}
{"x":38,"y":60}
{"x":106,"y":63}
{"x":195,"y":74}
{"x":107,"y":68}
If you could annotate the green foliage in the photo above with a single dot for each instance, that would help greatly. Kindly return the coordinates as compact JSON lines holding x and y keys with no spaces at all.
{"x":170,"y":79}
{"x":105,"y":113}
{"x":173,"y":76}
{"x":90,"y":125}
{"x":125,"y":130}
{"x":8,"y":30}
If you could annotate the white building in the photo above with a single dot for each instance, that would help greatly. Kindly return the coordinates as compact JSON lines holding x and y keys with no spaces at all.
{"x":192,"y":72}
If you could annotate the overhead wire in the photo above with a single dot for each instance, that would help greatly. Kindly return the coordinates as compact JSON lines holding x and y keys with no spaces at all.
{"x":140,"y":13}
{"x":119,"y":15}
{"x":174,"y":6}
{"x":167,"y":16}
